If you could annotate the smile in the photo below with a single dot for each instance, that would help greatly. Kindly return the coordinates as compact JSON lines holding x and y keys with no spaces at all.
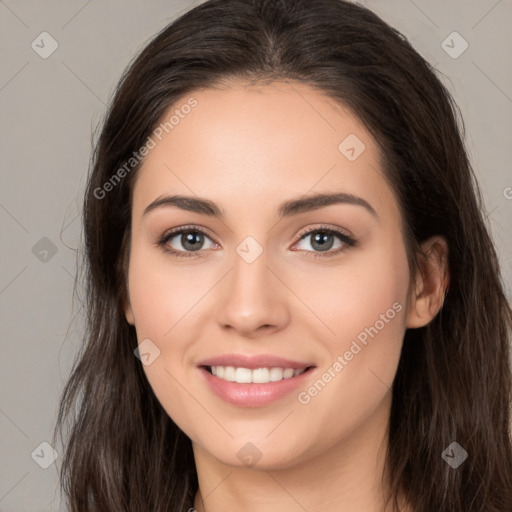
{"x":250,"y":393}
{"x":255,"y":376}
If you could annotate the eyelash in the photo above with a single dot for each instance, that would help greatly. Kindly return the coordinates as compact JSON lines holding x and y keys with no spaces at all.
{"x":347,"y":240}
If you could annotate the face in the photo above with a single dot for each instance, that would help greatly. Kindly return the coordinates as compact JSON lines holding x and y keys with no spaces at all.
{"x":267,"y":279}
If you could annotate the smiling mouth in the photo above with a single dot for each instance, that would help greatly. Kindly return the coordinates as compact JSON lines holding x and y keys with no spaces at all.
{"x":262,"y":375}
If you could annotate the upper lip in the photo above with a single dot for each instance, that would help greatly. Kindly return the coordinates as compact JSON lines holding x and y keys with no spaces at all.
{"x":253,"y":362}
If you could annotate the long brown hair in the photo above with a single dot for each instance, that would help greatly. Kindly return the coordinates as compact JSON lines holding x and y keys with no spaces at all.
{"x":123,"y":452}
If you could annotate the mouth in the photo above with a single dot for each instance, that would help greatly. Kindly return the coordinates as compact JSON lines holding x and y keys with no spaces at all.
{"x":263,"y":375}
{"x":253,"y":381}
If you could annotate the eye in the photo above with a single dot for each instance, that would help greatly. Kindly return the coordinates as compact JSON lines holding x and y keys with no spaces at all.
{"x":324,"y":239}
{"x":189,"y":239}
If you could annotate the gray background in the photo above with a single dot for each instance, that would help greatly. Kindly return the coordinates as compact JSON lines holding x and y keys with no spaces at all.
{"x":49,"y":108}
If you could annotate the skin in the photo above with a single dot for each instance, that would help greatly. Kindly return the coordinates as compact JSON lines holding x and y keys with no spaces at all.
{"x":247,"y":149}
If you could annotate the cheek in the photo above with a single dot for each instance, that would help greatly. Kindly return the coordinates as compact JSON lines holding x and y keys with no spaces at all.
{"x":358,"y":374}
{"x":350,"y":296}
{"x":162,"y":293}
{"x":364,"y":309}
{"x":160,"y":297}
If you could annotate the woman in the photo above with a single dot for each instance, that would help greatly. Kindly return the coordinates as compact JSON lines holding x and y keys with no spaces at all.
{"x":293,"y":300}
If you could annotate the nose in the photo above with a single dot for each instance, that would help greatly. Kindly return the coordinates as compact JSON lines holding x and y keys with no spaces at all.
{"x":252,"y":299}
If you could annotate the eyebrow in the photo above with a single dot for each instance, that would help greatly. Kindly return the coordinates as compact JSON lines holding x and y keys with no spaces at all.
{"x":286,"y":209}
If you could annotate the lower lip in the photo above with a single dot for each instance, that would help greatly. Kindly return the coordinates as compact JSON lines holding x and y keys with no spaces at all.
{"x":251,"y":394}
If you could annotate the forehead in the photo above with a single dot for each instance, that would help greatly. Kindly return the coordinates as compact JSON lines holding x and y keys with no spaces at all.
{"x":255,"y":145}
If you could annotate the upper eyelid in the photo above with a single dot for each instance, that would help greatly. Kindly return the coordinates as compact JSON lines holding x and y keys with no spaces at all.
{"x":179,"y":230}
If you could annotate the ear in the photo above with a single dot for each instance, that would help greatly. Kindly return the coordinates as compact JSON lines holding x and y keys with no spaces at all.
{"x":123,"y":271}
{"x":127,"y":307}
{"x":129,"y":313}
{"x":431,"y":283}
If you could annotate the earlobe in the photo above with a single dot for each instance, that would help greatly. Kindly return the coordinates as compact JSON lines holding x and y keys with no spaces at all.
{"x":129,"y":314}
{"x":431,"y":285}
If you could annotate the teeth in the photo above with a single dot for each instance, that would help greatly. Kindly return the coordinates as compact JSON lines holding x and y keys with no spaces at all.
{"x":257,"y":376}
